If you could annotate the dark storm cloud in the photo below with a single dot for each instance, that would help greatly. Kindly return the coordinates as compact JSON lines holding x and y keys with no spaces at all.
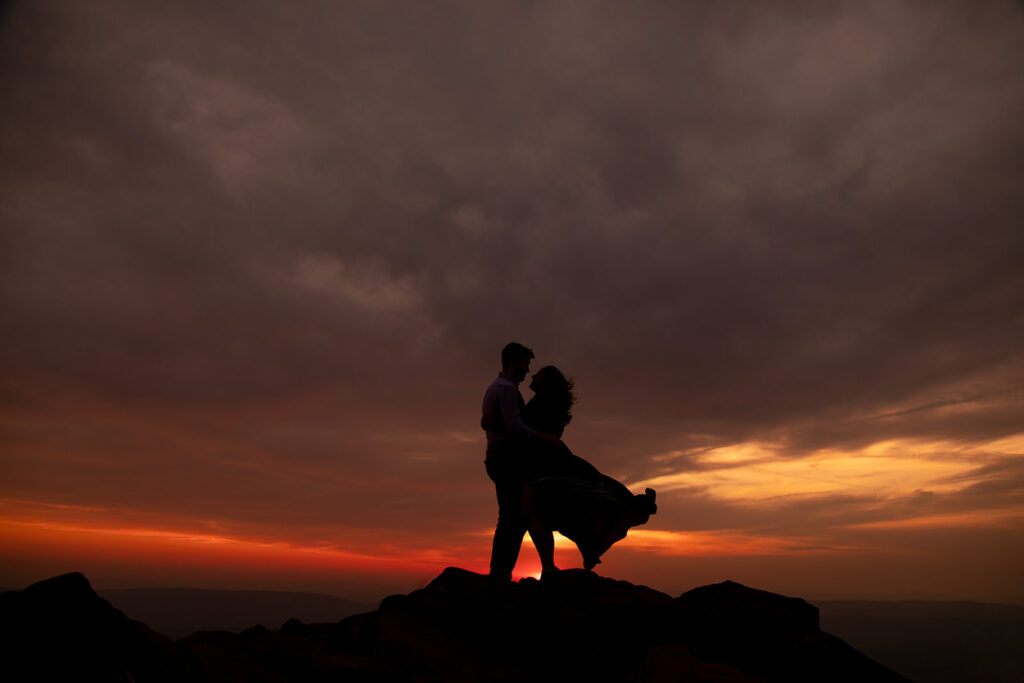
{"x":797,"y":223}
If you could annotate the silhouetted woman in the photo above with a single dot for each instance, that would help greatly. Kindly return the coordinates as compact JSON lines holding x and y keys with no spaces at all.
{"x":571,"y":496}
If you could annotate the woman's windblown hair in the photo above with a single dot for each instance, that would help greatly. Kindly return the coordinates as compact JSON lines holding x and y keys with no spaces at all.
{"x":557,"y":392}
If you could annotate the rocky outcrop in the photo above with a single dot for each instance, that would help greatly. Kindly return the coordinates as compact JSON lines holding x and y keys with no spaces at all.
{"x":464,"y":627}
{"x":60,"y":630}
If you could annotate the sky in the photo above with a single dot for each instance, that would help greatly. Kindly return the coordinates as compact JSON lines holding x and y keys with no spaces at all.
{"x":259,"y":260}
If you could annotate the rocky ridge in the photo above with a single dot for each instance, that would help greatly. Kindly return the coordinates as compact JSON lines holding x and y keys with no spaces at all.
{"x":460,"y":627}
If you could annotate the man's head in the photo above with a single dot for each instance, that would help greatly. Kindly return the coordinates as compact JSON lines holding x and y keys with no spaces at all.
{"x":515,"y":360}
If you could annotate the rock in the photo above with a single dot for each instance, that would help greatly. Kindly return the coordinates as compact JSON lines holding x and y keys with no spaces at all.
{"x":461,"y":627}
{"x":59,"y":629}
{"x":262,"y":656}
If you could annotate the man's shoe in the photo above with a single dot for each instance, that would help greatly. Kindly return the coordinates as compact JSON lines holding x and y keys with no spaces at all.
{"x":550,"y":574}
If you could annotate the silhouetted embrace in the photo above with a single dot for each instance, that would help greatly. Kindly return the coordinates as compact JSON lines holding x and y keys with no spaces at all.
{"x":541,"y":485}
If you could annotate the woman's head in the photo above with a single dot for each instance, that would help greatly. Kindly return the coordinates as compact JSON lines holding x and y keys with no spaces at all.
{"x":551,"y":383}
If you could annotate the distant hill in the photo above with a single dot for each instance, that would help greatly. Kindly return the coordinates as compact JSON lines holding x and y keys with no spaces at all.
{"x":177,"y":612}
{"x":934,"y":642}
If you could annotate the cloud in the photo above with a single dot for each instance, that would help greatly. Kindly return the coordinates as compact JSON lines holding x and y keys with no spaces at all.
{"x":245,"y":137}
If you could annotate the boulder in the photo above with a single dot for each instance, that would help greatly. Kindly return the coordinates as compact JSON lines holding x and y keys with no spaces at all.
{"x":60,"y":630}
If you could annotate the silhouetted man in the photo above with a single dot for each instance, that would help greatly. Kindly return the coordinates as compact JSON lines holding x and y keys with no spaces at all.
{"x":509,"y":459}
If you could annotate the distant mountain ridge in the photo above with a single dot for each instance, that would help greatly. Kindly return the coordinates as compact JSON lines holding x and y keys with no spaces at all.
{"x":944,"y":609}
{"x":934,"y":641}
{"x":177,"y":612}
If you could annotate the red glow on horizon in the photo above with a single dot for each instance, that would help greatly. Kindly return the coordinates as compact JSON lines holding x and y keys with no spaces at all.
{"x":93,"y":541}
{"x":150,"y":546}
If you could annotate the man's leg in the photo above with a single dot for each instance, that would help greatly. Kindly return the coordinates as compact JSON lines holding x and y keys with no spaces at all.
{"x":541,"y":535}
{"x":508,"y":534}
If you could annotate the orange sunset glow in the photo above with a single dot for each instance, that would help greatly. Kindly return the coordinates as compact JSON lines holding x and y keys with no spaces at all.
{"x":258,"y":268}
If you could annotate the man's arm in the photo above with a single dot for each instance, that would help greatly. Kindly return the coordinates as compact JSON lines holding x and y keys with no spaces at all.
{"x":508,"y":399}
{"x":512,"y":414}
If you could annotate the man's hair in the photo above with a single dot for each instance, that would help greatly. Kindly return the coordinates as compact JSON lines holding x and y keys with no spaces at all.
{"x":513,"y":353}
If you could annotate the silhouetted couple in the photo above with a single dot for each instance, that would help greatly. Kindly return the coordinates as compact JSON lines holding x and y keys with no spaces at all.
{"x":542,"y":487}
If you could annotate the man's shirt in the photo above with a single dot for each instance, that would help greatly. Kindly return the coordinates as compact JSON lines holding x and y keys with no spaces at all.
{"x":503,"y":413}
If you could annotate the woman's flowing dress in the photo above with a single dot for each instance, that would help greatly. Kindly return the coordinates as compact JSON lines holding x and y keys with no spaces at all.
{"x":570,"y":496}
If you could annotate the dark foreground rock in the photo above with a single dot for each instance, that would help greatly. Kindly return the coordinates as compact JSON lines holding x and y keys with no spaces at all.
{"x":60,"y":630}
{"x":463,"y":627}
